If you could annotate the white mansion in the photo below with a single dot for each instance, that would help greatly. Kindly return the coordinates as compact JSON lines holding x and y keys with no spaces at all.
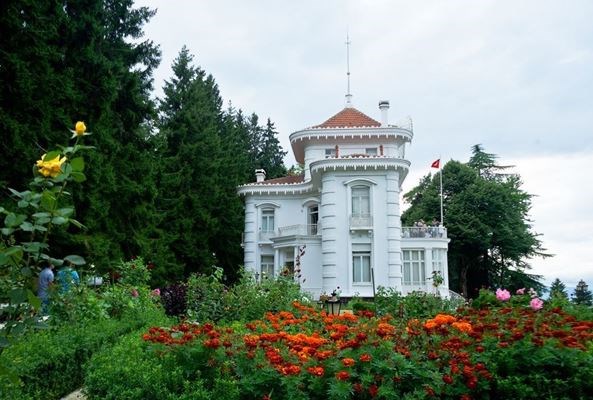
{"x":345,"y":211}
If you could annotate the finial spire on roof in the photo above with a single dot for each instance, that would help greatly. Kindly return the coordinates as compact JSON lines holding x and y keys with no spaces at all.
{"x":348,"y":94}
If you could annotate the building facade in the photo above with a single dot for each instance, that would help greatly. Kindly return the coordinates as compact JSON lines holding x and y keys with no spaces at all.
{"x":343,"y":212}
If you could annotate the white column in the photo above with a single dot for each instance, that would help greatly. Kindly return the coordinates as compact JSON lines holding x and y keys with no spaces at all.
{"x":327,"y":215}
{"x":393,"y":230}
{"x":250,"y":235}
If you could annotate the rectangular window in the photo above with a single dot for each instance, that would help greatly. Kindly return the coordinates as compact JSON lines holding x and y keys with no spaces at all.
{"x":313,"y":220}
{"x":414,"y":268}
{"x":267,"y":266}
{"x":267,"y":220}
{"x":371,"y":151}
{"x":438,"y":261}
{"x":361,"y":205}
{"x":361,"y":267}
{"x":330,"y":153}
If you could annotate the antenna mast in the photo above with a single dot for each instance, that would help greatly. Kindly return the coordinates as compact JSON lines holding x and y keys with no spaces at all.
{"x":348,"y":94}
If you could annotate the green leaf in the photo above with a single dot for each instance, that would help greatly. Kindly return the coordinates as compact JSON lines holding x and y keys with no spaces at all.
{"x":59,"y":220}
{"x":33,"y":300}
{"x":23,"y":203}
{"x":51,"y":155}
{"x":77,"y":224}
{"x":17,"y":295}
{"x":78,"y":177}
{"x":18,"y":194}
{"x":27,"y":226}
{"x":26,"y":272}
{"x":12,"y":377}
{"x":13,"y":220}
{"x":77,"y":164}
{"x":48,"y":200}
{"x":41,"y":215}
{"x":65,"y":212}
{"x":40,"y":228}
{"x":74,"y":259}
{"x":66,"y":171}
{"x":7,"y":231}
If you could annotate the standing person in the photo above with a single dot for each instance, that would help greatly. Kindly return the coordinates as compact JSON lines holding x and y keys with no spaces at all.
{"x":46,"y":278}
{"x":66,"y":278}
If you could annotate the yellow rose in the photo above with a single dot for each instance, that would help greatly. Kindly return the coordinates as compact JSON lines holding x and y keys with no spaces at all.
{"x":80,"y":128}
{"x":51,"y":167}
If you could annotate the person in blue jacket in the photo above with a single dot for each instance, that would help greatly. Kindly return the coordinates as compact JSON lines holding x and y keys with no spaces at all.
{"x":66,"y":278}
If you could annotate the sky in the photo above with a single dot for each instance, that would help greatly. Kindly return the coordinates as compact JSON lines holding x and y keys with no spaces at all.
{"x":514,"y":76}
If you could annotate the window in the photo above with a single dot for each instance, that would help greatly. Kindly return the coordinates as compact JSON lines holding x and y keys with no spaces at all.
{"x":267,"y":266}
{"x":330,"y":153}
{"x":438,"y":258}
{"x":267,"y":220}
{"x":414,"y":269}
{"x":361,"y":267}
{"x":371,"y":151}
{"x":313,"y":220}
{"x":360,"y":201}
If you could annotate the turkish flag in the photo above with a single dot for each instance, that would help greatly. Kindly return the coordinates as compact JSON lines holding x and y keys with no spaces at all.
{"x":435,"y":164}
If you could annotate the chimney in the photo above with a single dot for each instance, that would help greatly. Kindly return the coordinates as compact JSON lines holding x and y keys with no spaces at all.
{"x":384,"y":107}
{"x":260,"y":175}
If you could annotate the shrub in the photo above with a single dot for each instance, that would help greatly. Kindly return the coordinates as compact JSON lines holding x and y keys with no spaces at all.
{"x":48,"y":362}
{"x":414,"y":305}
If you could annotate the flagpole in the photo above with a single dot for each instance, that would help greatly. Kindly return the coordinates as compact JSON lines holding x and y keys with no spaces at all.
{"x":441,"y":179}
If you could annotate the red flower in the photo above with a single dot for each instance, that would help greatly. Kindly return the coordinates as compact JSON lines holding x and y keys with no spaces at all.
{"x":447,"y":379}
{"x":342,"y":375}
{"x":348,"y":362}
{"x":365,"y":357}
{"x":373,"y":390}
{"x":316,"y":371}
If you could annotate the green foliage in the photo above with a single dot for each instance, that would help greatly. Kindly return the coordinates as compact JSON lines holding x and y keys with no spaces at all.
{"x":413,"y":305}
{"x":486,"y":215}
{"x":208,"y":299}
{"x":48,"y":363}
{"x":127,"y":370}
{"x":558,"y":290}
{"x":582,"y":295}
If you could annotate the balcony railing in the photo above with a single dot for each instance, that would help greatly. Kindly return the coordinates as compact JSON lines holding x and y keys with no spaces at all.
{"x":428,"y":232}
{"x":361,"y":221}
{"x":266,"y":235}
{"x":300,"y":230}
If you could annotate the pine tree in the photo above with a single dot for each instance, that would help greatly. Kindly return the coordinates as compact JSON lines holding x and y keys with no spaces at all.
{"x":582,"y":295}
{"x":271,"y":155}
{"x":558,"y":289}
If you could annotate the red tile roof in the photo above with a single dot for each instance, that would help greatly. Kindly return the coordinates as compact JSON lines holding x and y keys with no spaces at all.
{"x":349,"y":117}
{"x":284,"y":180}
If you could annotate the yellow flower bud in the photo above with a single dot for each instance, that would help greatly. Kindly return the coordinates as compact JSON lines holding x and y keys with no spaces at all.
{"x":80,"y":128}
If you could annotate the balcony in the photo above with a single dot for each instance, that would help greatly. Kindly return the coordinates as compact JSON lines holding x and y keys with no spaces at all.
{"x":429,"y":232}
{"x":300,"y":230}
{"x":361,"y":221}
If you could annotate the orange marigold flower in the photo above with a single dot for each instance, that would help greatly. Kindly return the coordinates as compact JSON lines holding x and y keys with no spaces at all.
{"x":447,"y":379}
{"x":462,"y":326}
{"x":251,"y":340}
{"x":365,"y":357}
{"x":317,"y":371}
{"x":443,"y":319}
{"x":342,"y":375}
{"x":348,"y":362}
{"x":384,"y":329}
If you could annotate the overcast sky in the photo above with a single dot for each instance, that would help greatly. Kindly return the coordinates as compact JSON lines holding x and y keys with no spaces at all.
{"x":515,"y":76}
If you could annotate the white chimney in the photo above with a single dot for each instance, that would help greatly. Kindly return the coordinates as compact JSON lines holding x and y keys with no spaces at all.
{"x":384,"y":107}
{"x":260,"y":175}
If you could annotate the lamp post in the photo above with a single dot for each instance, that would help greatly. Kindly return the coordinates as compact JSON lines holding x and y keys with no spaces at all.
{"x":333,"y":307}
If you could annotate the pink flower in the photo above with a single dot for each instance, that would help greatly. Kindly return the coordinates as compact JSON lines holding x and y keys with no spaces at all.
{"x":536,"y":304}
{"x":521,"y":291}
{"x":156,"y":292}
{"x":134,"y":293}
{"x":502,"y":294}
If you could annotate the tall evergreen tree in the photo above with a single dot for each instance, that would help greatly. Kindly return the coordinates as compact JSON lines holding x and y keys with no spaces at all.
{"x":271,"y":155}
{"x":83,"y":60}
{"x":582,"y":295}
{"x":558,"y":289}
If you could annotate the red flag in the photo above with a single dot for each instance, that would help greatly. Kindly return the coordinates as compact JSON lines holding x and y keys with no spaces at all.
{"x":435,"y":164}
